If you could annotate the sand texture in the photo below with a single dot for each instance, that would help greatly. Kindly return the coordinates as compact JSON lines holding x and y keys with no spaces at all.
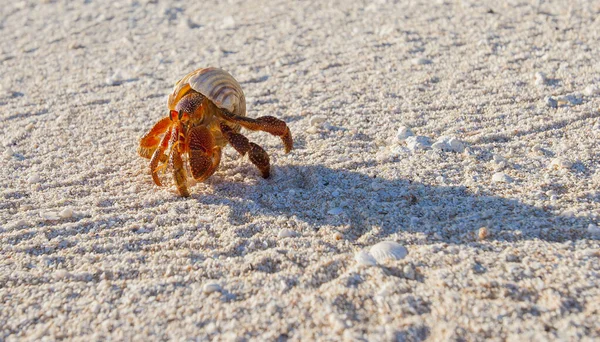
{"x":466,"y":131}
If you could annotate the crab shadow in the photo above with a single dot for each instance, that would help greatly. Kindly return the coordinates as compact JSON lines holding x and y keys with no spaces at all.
{"x":358,"y":204}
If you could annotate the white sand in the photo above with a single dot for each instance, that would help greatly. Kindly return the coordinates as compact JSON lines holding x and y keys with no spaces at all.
{"x":90,"y":248}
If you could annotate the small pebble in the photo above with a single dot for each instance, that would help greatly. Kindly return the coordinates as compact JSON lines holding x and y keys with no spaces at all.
{"x":382,"y":155}
{"x":593,"y":229}
{"x":409,"y":271}
{"x":205,"y":219}
{"x":66,"y":213}
{"x":440,"y":145}
{"x":500,"y":177}
{"x":61,"y":274}
{"x":403,"y":133}
{"x":498,"y":158}
{"x":34,"y":179}
{"x":417,"y":143}
{"x":510,"y":257}
{"x":450,"y":144}
{"x":338,"y":236}
{"x":537,"y":148}
{"x":386,"y":290}
{"x":550,"y":102}
{"x":312,"y":130}
{"x":191,"y":24}
{"x":376,"y":186}
{"x":75,"y":46}
{"x":559,"y":163}
{"x":456,"y":145}
{"x":421,"y":61}
{"x":95,"y":308}
{"x":365,"y":259}
{"x":286,"y":233}
{"x":335,"y":211}
{"x":483,"y":233}
{"x":115,"y":79}
{"x":228,"y":22}
{"x":500,"y":166}
{"x":388,"y":250}
{"x":317,"y":120}
{"x":540,"y":78}
{"x":211,"y":287}
{"x":9,"y":152}
{"x":182,"y":253}
{"x":591,"y":90}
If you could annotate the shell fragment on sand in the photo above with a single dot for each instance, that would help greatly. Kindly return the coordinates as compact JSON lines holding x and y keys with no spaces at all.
{"x":381,"y":253}
{"x":35,"y":178}
{"x":388,"y":250}
{"x":286,"y":233}
{"x":317,"y":120}
{"x":335,"y":211}
{"x":211,"y":287}
{"x":66,"y":213}
{"x":500,"y":177}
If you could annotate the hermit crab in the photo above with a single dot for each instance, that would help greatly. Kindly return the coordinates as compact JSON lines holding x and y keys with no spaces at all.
{"x":206,"y":112}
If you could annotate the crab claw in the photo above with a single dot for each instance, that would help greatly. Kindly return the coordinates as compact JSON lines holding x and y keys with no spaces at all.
{"x":204,"y":154}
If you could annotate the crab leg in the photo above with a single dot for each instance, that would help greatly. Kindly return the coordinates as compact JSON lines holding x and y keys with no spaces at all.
{"x":257,"y":155}
{"x":267,"y":124}
{"x":159,"y":155}
{"x":150,"y":140}
{"x":260,"y":158}
{"x":177,"y":163}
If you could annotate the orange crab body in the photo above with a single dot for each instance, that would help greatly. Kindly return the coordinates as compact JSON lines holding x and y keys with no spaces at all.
{"x":206,"y":112}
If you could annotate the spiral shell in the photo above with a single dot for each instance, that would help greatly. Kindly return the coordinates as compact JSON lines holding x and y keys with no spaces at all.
{"x":217,"y":85}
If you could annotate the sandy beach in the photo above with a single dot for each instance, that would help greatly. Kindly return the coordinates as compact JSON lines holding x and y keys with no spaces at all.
{"x":466,"y":132}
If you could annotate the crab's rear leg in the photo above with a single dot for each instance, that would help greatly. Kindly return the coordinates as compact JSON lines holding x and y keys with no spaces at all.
{"x":267,"y":124}
{"x":150,"y":141}
{"x":257,"y":155}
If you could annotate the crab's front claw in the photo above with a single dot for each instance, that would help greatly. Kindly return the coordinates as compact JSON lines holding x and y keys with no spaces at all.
{"x":150,"y":141}
{"x":204,"y":154}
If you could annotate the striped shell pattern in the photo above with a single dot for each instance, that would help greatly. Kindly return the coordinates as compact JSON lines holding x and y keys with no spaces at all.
{"x":217,"y":85}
